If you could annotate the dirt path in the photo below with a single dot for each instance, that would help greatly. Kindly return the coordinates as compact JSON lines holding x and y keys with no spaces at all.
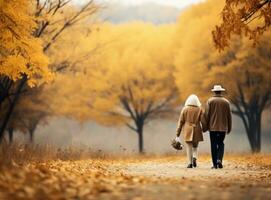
{"x":176,"y":169}
{"x":238,"y":180}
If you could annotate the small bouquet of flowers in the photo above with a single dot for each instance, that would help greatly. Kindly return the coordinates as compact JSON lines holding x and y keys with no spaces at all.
{"x":176,"y":144}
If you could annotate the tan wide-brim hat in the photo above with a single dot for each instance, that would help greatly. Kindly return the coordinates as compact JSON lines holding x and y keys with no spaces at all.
{"x":218,"y":88}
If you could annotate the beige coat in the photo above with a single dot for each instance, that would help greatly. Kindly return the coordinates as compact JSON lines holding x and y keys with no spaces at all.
{"x":218,"y":114}
{"x":191,"y":118}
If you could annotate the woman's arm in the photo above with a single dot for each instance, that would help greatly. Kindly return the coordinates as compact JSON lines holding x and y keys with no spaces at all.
{"x":180,"y":123}
{"x":203,"y":121}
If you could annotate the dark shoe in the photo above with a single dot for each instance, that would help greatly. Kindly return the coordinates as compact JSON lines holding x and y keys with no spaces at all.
{"x":190,"y":166}
{"x":194,"y":162}
{"x":214,"y":167}
{"x":219,"y":164}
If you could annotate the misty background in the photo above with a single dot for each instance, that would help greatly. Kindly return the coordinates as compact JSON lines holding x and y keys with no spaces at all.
{"x":64,"y":132}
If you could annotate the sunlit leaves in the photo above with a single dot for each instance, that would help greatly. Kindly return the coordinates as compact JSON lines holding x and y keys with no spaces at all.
{"x":20,"y":52}
{"x":246,"y":18}
{"x":200,"y":66}
{"x":119,"y":60}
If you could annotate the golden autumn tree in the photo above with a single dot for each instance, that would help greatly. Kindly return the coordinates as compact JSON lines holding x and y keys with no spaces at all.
{"x":42,"y":21}
{"x":241,"y":17}
{"x":21,"y":53}
{"x":126,"y":82}
{"x":242,"y":69}
{"x":22,"y":60}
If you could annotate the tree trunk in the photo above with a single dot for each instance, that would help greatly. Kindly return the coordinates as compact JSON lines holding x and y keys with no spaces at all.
{"x":252,"y":120}
{"x":140,"y":142}
{"x":259,"y":133}
{"x":140,"y":125}
{"x":31,"y":135}
{"x":10,"y":135}
{"x":254,"y":132}
{"x":12,"y":106}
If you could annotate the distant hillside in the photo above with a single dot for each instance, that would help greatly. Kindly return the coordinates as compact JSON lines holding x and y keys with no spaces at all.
{"x":149,"y":12}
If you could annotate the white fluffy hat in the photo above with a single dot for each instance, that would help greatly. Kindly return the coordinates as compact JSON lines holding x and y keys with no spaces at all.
{"x":192,"y":100}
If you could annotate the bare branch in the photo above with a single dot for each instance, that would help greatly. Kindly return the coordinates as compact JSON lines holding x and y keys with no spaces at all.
{"x":131,"y":127}
{"x":255,"y":10}
{"x":127,"y":107}
{"x":82,"y":13}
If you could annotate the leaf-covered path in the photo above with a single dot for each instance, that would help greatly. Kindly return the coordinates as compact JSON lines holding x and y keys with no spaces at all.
{"x":239,"y":179}
{"x":244,"y":177}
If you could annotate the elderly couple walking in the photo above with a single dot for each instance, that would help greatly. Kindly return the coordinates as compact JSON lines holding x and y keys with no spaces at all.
{"x":194,"y":121}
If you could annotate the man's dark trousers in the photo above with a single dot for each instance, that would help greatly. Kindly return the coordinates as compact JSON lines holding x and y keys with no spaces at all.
{"x":217,"y":146}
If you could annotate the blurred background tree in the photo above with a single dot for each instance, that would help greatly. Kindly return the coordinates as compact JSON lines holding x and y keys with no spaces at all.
{"x":128,"y":82}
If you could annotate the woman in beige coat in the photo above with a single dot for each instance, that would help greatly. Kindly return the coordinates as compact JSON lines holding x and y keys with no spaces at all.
{"x":190,"y":127}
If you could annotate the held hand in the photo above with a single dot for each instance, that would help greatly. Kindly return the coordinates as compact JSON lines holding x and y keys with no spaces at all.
{"x":177,"y":139}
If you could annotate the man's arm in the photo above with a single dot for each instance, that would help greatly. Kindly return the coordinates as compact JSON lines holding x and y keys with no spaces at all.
{"x":229,"y":119}
{"x":206,"y":117}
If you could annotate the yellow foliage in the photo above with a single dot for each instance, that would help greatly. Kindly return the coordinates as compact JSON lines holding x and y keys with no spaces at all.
{"x":200,"y":66}
{"x":20,"y":52}
{"x":194,"y":47}
{"x":245,"y":18}
{"x":137,"y":56}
